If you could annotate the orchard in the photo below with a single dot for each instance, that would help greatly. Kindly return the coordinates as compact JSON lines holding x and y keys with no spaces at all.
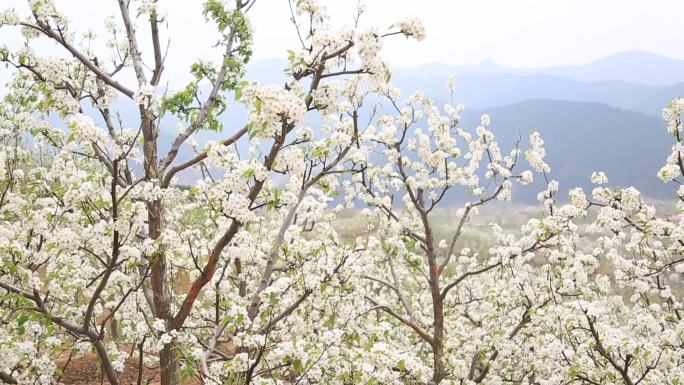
{"x":242,"y":277}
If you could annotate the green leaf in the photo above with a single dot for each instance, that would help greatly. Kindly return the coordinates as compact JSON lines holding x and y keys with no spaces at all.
{"x":22,"y":319}
{"x":297,"y":365}
{"x":249,"y":173}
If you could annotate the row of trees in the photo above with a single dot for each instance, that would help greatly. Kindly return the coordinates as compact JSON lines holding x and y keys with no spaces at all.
{"x":242,"y":277}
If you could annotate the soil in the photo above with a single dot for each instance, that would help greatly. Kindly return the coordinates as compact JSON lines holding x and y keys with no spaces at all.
{"x":85,"y":370}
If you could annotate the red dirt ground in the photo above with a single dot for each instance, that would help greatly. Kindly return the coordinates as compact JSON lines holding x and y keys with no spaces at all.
{"x":86,"y":371}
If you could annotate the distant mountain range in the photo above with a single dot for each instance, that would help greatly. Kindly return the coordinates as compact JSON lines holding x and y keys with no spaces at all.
{"x":604,"y":115}
{"x":632,"y":67}
{"x":633,"y":80}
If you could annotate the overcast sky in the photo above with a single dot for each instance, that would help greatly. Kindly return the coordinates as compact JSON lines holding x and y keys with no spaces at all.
{"x":516,"y":33}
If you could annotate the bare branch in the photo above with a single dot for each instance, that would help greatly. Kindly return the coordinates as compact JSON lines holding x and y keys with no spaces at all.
{"x":132,"y":43}
{"x":49,"y":32}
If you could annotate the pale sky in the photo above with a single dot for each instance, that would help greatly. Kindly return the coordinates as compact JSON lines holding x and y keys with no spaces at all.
{"x":515,"y":33}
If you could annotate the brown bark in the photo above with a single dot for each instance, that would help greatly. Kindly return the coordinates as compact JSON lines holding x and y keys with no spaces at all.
{"x":169,"y":365}
{"x":161,"y":291}
{"x":438,"y":372}
{"x":7,"y":378}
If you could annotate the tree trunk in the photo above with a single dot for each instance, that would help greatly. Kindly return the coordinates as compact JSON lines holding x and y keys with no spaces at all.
{"x":168,"y":360}
{"x":438,"y":372}
{"x":169,"y":364}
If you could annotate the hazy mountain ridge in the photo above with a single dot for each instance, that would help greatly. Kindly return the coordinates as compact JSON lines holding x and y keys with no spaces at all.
{"x":484,"y":90}
{"x":631,"y":66}
{"x":630,"y":147}
{"x":655,"y":102}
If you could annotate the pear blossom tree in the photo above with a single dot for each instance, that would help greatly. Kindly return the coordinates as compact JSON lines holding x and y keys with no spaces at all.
{"x":445,"y":295}
{"x":623,"y":327}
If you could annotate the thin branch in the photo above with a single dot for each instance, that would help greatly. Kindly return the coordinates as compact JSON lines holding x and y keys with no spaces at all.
{"x":410,"y":323}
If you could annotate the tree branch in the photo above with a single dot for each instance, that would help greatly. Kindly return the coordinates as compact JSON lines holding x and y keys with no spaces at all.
{"x":47,"y":31}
